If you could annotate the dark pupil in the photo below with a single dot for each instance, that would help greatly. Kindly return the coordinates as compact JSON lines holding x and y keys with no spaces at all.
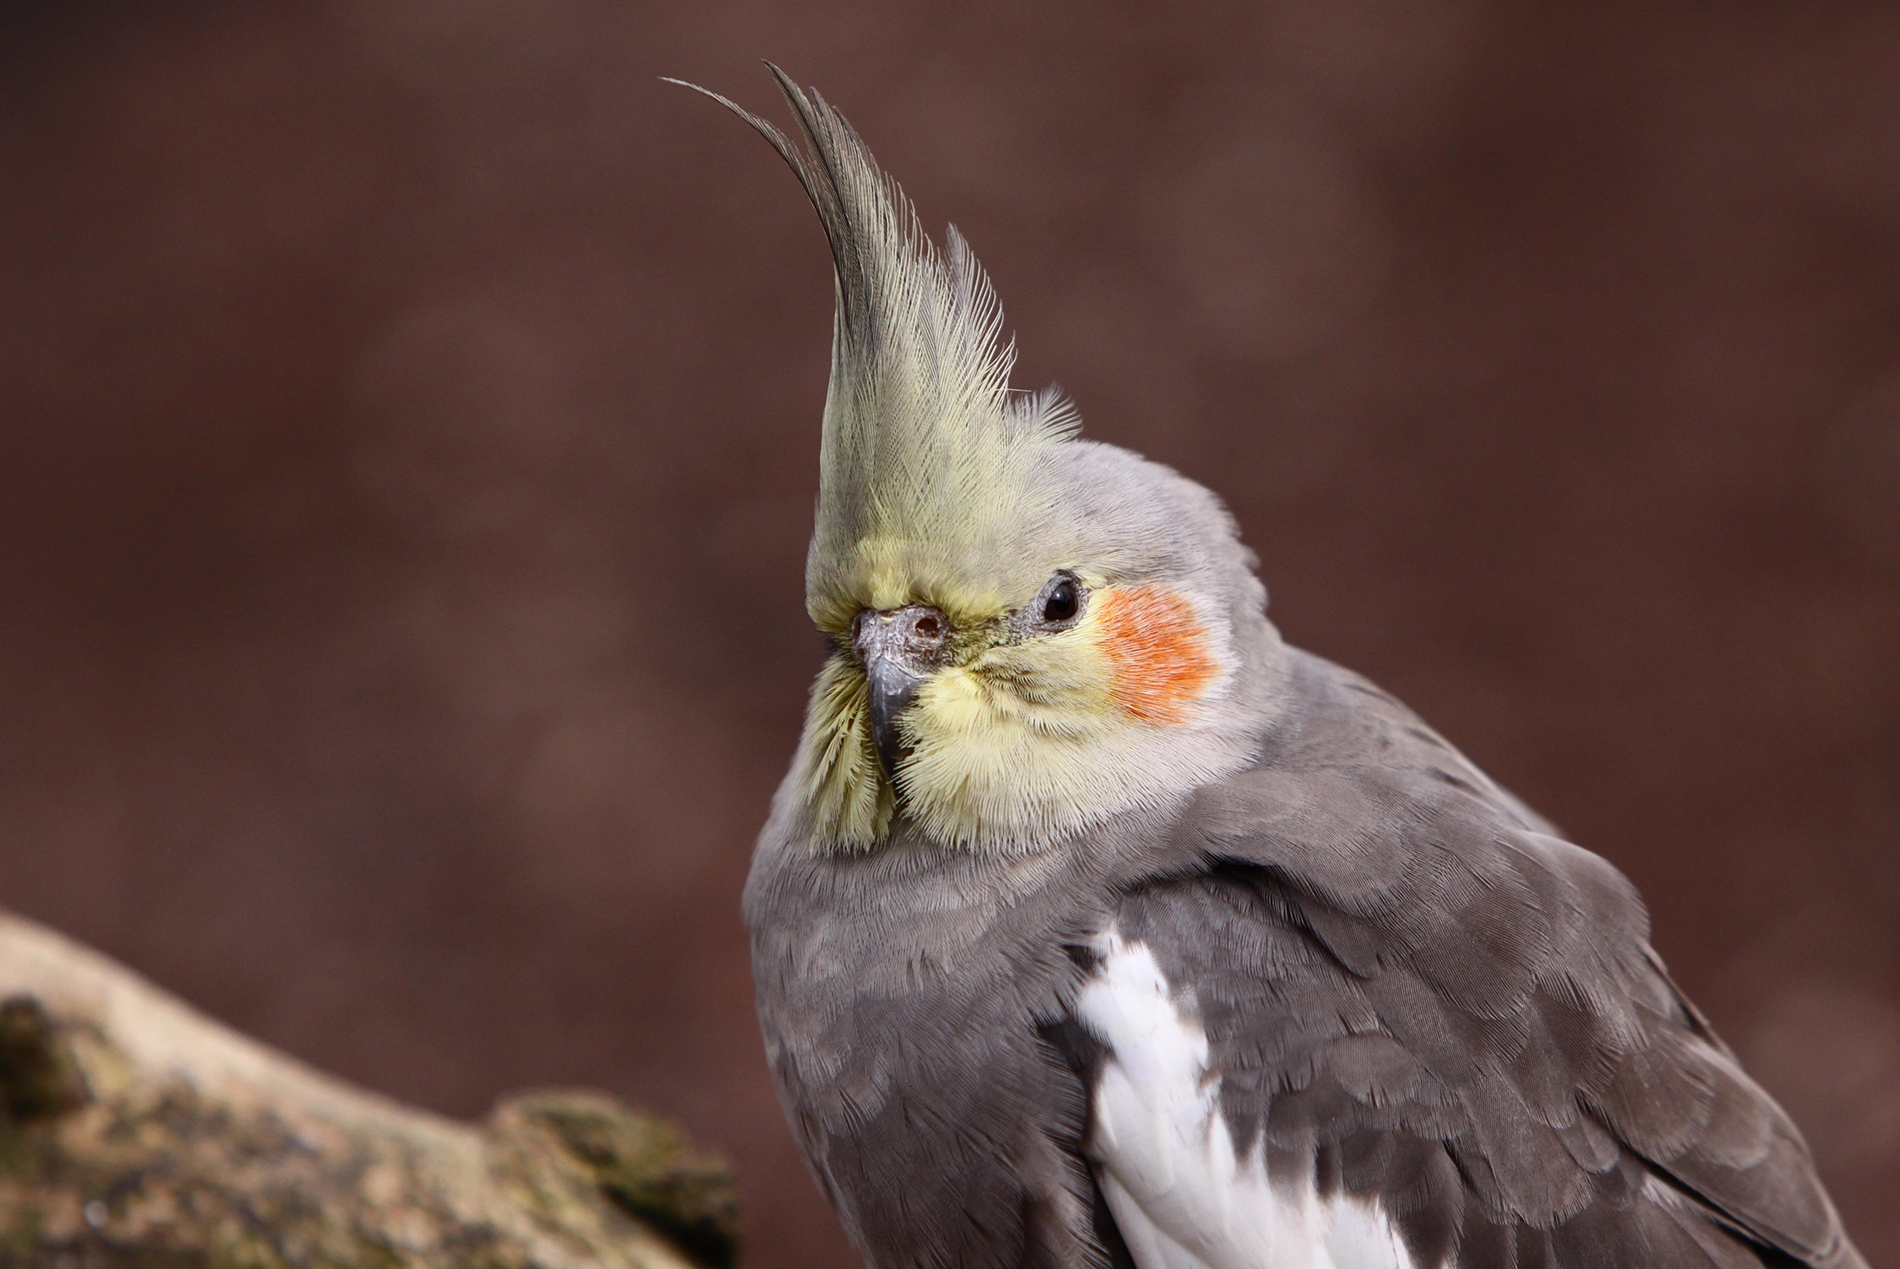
{"x":1060,"y":606}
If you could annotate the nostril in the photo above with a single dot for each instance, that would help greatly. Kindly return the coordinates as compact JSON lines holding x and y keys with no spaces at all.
{"x":928,"y":626}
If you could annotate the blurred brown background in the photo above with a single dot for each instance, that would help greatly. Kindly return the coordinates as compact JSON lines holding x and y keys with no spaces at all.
{"x":410,"y":419}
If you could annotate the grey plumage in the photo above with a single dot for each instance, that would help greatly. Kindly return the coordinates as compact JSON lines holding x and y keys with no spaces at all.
{"x":1406,"y":995}
{"x":1410,"y":985}
{"x":1464,"y":1001}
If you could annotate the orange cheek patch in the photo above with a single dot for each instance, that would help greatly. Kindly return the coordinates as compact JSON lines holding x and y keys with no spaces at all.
{"x":1157,"y":652}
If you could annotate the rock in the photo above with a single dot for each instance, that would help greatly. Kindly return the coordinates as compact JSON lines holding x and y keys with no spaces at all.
{"x":137,"y":1132}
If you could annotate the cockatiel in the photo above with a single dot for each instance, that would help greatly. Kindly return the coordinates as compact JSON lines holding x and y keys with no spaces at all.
{"x":1094,"y":925}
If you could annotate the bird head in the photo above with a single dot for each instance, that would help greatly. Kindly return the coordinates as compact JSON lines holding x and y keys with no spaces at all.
{"x":1033,"y":632}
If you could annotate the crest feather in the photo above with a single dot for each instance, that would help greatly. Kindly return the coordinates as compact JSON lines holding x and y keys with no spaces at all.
{"x":927,"y":463}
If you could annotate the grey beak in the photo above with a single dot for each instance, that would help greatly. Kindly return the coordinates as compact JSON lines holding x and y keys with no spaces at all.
{"x":899,"y":648}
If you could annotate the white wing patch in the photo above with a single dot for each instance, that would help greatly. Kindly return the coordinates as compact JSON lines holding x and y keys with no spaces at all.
{"x":1163,"y":1155}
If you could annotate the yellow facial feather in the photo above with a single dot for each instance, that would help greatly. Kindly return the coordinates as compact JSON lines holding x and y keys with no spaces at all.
{"x":1005,"y":743}
{"x":838,"y":773}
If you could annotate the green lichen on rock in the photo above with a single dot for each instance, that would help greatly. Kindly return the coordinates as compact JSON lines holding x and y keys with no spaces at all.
{"x":136,"y":1134}
{"x":38,"y":1077}
{"x":644,"y":1164}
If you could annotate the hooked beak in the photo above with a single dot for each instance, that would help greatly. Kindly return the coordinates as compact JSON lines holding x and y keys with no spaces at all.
{"x":899,"y":648}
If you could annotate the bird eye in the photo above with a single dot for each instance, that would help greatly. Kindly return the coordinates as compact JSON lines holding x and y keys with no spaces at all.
{"x":1061,"y":600}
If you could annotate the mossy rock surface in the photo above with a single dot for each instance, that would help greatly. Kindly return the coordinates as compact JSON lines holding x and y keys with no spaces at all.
{"x":137,"y":1133}
{"x":643,"y":1164}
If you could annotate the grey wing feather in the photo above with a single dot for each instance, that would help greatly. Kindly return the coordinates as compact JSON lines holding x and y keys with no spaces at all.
{"x":1411,"y":984}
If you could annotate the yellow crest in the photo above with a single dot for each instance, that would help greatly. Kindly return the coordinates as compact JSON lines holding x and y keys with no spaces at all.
{"x":927,"y":467}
